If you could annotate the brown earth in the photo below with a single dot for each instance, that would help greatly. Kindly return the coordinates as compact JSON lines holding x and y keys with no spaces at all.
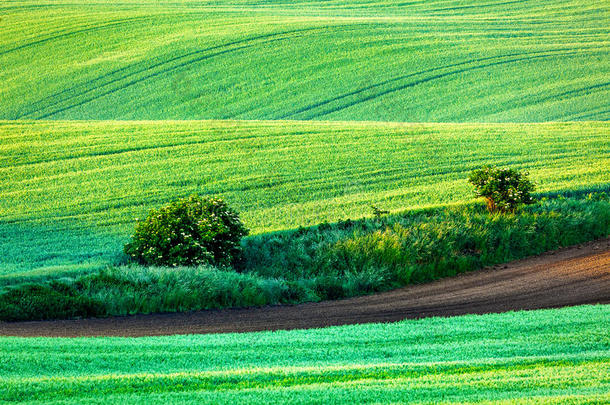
{"x":570,"y":276}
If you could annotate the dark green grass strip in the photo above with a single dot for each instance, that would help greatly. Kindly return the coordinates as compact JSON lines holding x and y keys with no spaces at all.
{"x":545,"y":355}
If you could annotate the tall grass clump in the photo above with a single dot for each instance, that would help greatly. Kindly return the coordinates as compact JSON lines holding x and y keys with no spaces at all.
{"x":422,"y":245}
{"x":137,"y":289}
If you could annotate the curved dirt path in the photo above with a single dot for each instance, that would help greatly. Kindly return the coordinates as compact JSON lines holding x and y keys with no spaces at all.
{"x":570,"y":276}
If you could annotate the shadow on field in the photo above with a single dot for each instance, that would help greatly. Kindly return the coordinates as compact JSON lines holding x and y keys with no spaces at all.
{"x":576,"y":193}
{"x":33,"y":252}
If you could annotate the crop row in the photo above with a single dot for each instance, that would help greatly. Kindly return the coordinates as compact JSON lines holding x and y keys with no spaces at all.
{"x":547,"y":355}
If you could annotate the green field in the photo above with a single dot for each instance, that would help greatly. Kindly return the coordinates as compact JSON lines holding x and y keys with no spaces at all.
{"x":74,"y":189}
{"x":297,"y":113}
{"x":417,"y":61}
{"x":546,"y":356}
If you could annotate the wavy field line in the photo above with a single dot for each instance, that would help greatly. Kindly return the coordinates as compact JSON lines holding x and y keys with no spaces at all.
{"x":588,"y":114}
{"x":51,"y":28}
{"x":436,"y":77}
{"x":160,"y":64}
{"x":113,"y":23}
{"x":109,"y":74}
{"x":557,"y":96}
{"x":402,"y":77}
{"x":128,"y":150}
{"x":139,"y":80}
{"x":100,"y":385}
{"x":487,"y":5}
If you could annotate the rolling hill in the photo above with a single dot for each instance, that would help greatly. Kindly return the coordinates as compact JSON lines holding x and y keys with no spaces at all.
{"x":417,"y":61}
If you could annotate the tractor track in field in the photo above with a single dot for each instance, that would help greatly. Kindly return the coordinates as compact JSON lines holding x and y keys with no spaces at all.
{"x":485,"y":6}
{"x":532,"y":55}
{"x":65,"y":33}
{"x":437,"y":77}
{"x":570,"y":276}
{"x":166,"y":66}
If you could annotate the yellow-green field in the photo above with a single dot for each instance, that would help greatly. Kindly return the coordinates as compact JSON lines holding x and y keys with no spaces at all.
{"x":74,"y":189}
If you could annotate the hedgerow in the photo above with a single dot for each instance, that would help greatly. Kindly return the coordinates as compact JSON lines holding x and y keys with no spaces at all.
{"x":328,"y":261}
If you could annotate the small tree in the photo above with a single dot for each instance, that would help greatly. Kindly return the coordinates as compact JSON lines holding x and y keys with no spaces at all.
{"x":188,"y":231}
{"x":504,"y":189}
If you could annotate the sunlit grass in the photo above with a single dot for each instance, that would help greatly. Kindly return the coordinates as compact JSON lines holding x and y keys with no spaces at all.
{"x":554,"y":356}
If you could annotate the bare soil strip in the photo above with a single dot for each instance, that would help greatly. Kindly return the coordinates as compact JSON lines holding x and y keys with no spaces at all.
{"x":571,"y":276}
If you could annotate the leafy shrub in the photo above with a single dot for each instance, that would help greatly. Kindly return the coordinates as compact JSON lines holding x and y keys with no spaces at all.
{"x":190,"y":231}
{"x":504,"y":189}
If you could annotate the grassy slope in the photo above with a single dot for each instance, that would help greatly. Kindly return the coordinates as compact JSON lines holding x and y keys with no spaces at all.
{"x":455,"y":60}
{"x":73,"y":189}
{"x":547,"y":355}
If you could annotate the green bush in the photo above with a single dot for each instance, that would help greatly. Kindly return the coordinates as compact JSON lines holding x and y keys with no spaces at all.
{"x":190,"y":231}
{"x":504,"y":189}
